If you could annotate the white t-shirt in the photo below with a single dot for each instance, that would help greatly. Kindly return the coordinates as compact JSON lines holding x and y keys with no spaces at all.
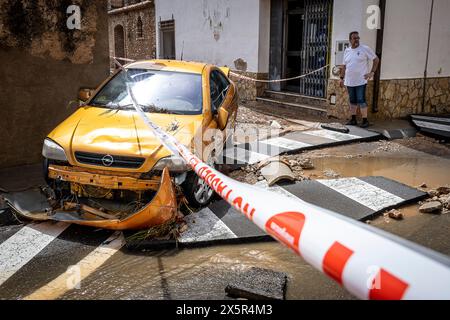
{"x":357,"y":65}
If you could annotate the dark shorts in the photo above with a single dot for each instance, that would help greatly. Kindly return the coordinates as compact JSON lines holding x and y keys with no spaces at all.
{"x":358,"y":95}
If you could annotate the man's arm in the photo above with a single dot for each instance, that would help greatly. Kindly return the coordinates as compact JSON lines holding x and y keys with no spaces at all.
{"x":371,"y":74}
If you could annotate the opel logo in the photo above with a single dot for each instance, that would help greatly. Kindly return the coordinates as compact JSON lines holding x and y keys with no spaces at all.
{"x":108,"y":160}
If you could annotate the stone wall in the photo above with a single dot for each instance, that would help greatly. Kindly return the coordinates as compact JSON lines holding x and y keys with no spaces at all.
{"x":398,"y":98}
{"x":249,"y":90}
{"x":136,"y":47}
{"x":341,"y":110}
{"x":44,"y":64}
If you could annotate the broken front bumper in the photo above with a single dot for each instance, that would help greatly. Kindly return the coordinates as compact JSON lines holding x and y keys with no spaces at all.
{"x":163,"y":208}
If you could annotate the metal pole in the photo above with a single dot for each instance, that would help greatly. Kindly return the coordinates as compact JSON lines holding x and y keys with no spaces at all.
{"x":425,"y":73}
{"x":379,"y":52}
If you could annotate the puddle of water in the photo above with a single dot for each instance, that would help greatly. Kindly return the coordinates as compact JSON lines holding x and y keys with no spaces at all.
{"x":412,"y":171}
{"x":201,"y":274}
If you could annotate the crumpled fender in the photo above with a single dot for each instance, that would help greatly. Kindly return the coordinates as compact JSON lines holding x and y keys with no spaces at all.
{"x":160,"y":210}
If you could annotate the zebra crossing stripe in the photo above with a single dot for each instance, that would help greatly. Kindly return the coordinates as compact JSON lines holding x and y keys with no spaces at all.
{"x":285,"y":143}
{"x":332,"y":135}
{"x":210,"y":228}
{"x":364,"y":193}
{"x":86,"y":266}
{"x":25,"y":244}
{"x":245,"y":156}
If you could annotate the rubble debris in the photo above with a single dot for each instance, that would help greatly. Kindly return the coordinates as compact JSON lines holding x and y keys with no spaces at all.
{"x":338,"y":127}
{"x":276,"y":171}
{"x":439,"y":201}
{"x":431,"y":207}
{"x":395,"y":214}
{"x":386,"y":146}
{"x":303,"y":163}
{"x":433,"y":193}
{"x":258,"y":284}
{"x":275,"y":125}
{"x":331,"y":174}
{"x":183,"y":228}
{"x":423,"y":185}
{"x":443,"y":190}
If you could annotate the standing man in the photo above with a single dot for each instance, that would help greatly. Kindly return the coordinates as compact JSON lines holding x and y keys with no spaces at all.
{"x":355,"y":74}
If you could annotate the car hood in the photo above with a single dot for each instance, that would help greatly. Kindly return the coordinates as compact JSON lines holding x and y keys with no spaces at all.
{"x":122,"y":133}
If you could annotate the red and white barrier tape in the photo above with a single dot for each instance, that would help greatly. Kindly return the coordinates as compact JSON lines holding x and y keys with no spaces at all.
{"x":237,"y":75}
{"x":240,"y":76}
{"x":369,"y":263}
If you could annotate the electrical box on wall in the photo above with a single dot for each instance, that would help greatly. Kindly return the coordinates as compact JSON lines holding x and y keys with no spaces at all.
{"x":340,"y":49}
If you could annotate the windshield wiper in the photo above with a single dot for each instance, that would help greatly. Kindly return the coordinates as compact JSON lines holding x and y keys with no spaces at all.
{"x":155,"y":109}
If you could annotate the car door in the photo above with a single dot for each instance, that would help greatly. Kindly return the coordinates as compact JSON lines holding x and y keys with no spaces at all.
{"x":220,"y":112}
{"x":223,"y":96}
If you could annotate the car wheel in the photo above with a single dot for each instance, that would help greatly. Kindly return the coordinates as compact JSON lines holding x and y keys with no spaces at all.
{"x":197,"y":191}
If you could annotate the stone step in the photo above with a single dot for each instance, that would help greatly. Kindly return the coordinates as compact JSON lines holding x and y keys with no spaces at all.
{"x":296,"y":98}
{"x":312,"y":110}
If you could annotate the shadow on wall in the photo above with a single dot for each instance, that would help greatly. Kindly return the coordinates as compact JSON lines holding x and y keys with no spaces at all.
{"x":44,"y":63}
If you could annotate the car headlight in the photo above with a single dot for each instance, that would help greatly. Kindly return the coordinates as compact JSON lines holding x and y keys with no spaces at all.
{"x":173,"y":163}
{"x":52,"y":150}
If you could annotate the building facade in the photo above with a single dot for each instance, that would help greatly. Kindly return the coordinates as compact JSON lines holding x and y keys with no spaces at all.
{"x":278,"y":39}
{"x":132,"y":29}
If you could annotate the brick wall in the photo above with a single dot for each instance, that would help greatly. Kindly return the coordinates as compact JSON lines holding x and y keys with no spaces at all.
{"x":136,"y":46}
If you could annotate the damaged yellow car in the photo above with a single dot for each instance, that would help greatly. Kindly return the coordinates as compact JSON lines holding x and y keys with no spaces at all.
{"x":106,"y":169}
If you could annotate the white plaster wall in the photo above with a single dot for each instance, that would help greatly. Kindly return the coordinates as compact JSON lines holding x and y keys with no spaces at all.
{"x":405,"y":38}
{"x":439,"y":59}
{"x":235,"y":22}
{"x":264,"y":36}
{"x":348,"y":16}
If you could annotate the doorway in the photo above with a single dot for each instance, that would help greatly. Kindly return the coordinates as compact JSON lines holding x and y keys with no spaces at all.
{"x":300,"y":43}
{"x":119,"y":42}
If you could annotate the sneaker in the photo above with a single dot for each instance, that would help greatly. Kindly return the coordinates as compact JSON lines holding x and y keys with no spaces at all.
{"x":365,"y":124}
{"x":352,"y":122}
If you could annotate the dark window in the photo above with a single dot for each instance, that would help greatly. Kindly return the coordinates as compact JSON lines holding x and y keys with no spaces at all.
{"x":140,"y":29}
{"x":119,"y":42}
{"x":167,"y":39}
{"x":219,"y":86}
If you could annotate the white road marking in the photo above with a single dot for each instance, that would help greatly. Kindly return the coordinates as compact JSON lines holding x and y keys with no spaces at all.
{"x":207,"y":227}
{"x":25,"y":244}
{"x":86,"y":266}
{"x":245,"y":156}
{"x":363,"y":193}
{"x":432,"y":125}
{"x":332,"y":135}
{"x":281,"y":142}
{"x":432,"y":119}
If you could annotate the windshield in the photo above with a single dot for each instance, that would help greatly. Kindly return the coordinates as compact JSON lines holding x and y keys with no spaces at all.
{"x":155,"y":91}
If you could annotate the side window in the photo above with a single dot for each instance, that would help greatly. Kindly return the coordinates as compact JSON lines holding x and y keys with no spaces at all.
{"x":219,"y":85}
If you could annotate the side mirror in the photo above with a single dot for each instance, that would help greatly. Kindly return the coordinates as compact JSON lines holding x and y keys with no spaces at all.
{"x":85,"y":94}
{"x":222,"y":118}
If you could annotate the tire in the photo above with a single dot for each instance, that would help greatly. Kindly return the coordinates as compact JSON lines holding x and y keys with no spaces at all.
{"x":191,"y":189}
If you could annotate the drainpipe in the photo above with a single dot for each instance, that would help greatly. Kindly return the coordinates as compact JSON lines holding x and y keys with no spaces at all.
{"x":425,"y":74}
{"x":379,"y":52}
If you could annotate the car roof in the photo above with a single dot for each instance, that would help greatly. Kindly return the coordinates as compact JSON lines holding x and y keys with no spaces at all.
{"x":168,"y":65}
